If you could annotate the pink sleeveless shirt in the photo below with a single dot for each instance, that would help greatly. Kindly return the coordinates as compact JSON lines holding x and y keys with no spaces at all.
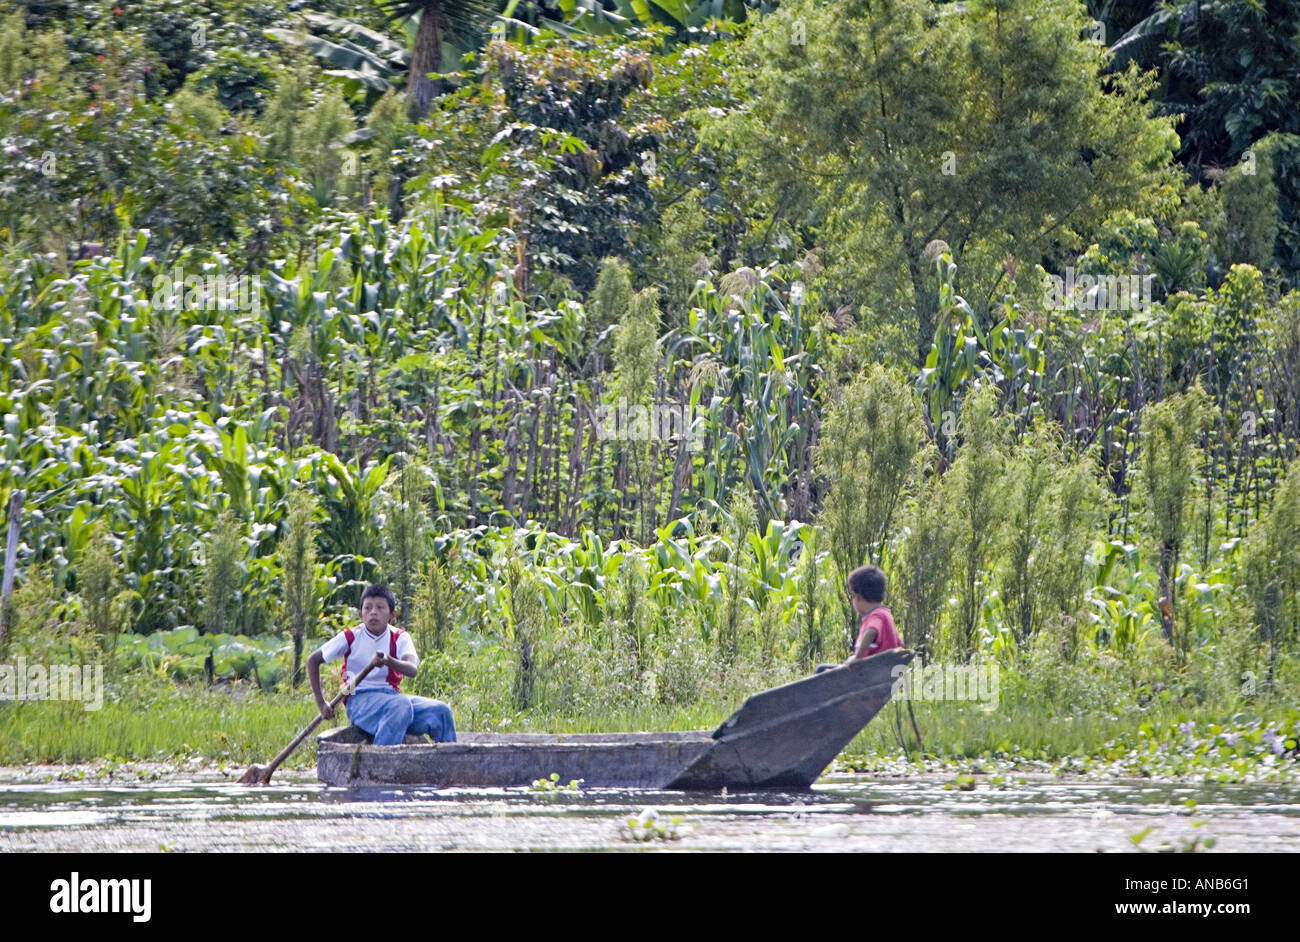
{"x":881,"y":619}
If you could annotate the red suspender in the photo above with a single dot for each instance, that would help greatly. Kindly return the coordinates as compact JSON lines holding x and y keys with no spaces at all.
{"x":394,"y":678}
{"x":349,"y":636}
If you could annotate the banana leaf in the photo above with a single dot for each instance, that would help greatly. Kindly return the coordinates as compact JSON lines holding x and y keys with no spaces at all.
{"x":372,"y":40}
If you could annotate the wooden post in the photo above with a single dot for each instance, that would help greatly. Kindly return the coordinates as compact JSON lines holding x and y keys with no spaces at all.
{"x":11,"y":561}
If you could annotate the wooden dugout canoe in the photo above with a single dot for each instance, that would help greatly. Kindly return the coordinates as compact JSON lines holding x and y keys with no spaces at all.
{"x":783,"y":737}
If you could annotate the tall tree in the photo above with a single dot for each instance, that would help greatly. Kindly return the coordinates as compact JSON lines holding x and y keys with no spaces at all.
{"x":989,"y":125}
{"x":1231,"y":73}
{"x":439,"y":21}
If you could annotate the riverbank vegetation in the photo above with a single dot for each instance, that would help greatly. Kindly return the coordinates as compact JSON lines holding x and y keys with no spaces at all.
{"x":613,"y":347}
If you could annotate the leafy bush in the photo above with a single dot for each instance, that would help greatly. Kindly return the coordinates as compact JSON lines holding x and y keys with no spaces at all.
{"x":242,"y":81}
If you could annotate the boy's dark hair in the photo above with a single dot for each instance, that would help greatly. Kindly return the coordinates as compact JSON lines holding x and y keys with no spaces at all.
{"x":868,"y":582}
{"x":378,"y":591}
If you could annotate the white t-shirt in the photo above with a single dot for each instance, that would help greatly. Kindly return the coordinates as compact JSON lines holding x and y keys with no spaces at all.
{"x":364,"y":646}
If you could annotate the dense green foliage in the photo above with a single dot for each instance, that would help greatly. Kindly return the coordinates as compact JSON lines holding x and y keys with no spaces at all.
{"x":613,"y":354}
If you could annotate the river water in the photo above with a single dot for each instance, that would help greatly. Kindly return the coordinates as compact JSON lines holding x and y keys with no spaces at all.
{"x":844,"y":812}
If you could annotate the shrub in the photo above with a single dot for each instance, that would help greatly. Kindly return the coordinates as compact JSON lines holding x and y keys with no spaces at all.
{"x":973,"y":493}
{"x":865,"y":451}
{"x":922,"y":569}
{"x":297,"y":558}
{"x":224,"y":555}
{"x":242,"y":82}
{"x":1169,"y":464}
{"x":1272,"y":570}
{"x":1054,"y":503}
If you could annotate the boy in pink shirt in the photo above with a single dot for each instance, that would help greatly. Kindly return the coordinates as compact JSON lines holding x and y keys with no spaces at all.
{"x":877,"y":633}
{"x":866,"y":585}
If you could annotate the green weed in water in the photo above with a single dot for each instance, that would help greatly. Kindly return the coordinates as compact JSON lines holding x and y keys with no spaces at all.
{"x":650,"y":826}
{"x":552,"y":784}
{"x":1195,"y":844}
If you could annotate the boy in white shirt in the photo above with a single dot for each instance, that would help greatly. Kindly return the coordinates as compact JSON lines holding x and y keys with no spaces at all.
{"x":378,"y":707}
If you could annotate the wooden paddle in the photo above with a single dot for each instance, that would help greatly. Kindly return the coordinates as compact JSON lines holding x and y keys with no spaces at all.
{"x":261,"y":775}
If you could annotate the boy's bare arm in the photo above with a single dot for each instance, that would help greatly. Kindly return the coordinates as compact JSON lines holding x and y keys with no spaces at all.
{"x":867,"y":640}
{"x":313,"y":675}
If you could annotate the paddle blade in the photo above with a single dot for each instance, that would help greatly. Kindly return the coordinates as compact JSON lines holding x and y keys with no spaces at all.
{"x":256,"y":775}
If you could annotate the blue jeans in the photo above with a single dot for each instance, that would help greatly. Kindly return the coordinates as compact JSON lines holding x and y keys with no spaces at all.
{"x":389,"y":716}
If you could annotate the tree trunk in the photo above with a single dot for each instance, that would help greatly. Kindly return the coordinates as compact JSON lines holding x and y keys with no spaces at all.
{"x":926,"y":294}
{"x":296,"y":677}
{"x":426,"y":57}
{"x":1168,"y":566}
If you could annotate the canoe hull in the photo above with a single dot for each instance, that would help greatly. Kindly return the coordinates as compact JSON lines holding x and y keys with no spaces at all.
{"x":781,"y":738}
{"x":632,"y":760}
